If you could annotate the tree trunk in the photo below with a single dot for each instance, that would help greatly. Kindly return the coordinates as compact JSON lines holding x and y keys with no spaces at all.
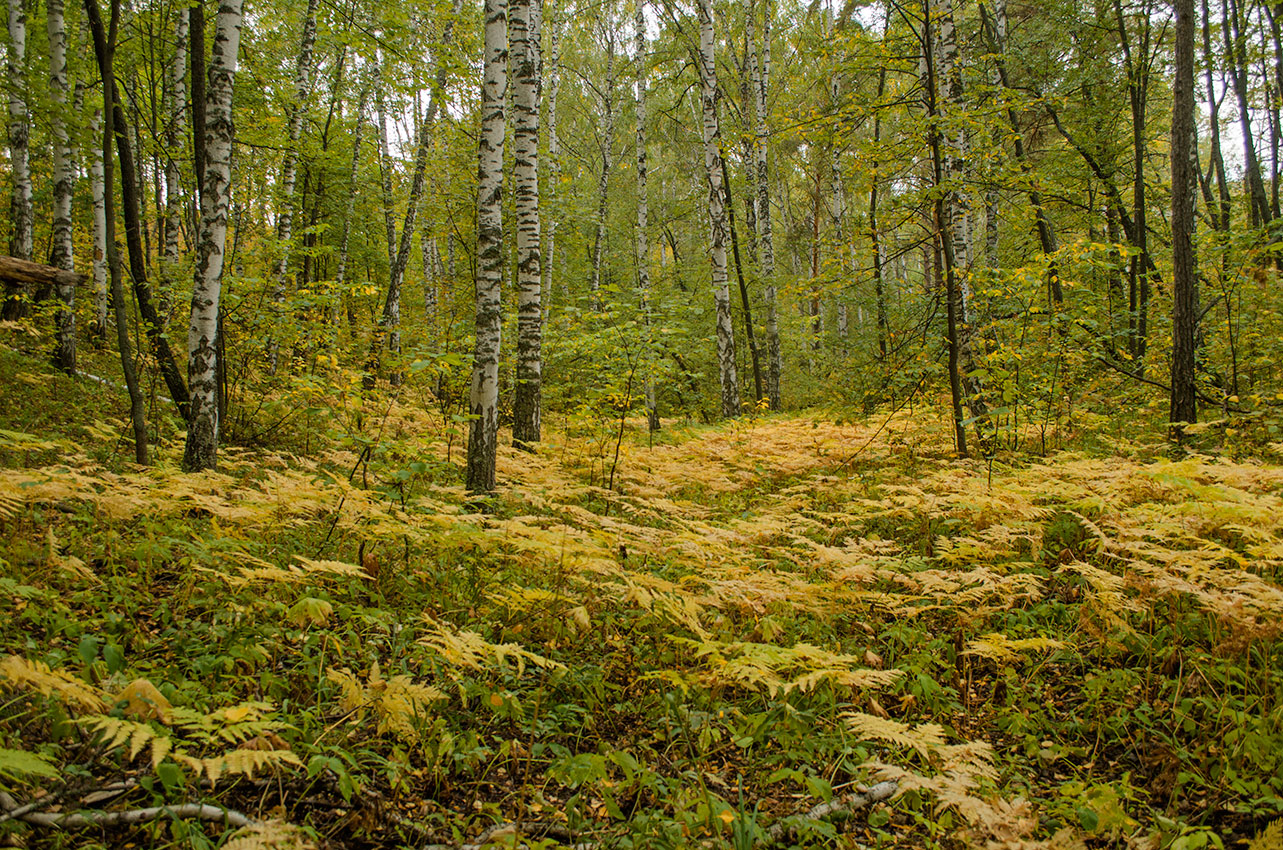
{"x":289,"y":174}
{"x":1184,"y":177}
{"x":941,"y":64}
{"x":196,"y":31}
{"x":761,"y":73}
{"x":152,"y":323}
{"x":749,"y":334}
{"x":643,"y":210}
{"x":554,"y":161}
{"x":709,"y":95}
{"x":201,"y":451}
{"x":399,"y":247}
{"x":385,"y":164}
{"x":527,"y":66}
{"x":340,"y":274}
{"x":875,"y":235}
{"x":20,"y":212}
{"x":105,"y":54}
{"x":605,"y":143}
{"x":98,"y":331}
{"x":63,"y":177}
{"x":1233,"y":21}
{"x":997,"y":27}
{"x":175,"y":103}
{"x":483,"y":399}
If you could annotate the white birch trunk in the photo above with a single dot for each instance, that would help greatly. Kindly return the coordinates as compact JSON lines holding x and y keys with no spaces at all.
{"x":201,"y":451}
{"x":96,"y":177}
{"x":431,"y":280}
{"x":606,"y":143}
{"x":175,"y":105}
{"x":289,"y":173}
{"x":483,"y":400}
{"x":643,"y":209}
{"x":949,"y":75}
{"x":20,"y":214}
{"x":717,"y":214}
{"x":340,"y":274}
{"x":61,"y":253}
{"x":760,"y":81}
{"x":527,"y":67}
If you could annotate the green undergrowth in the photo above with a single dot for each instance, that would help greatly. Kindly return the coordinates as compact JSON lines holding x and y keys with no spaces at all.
{"x":755,"y":618}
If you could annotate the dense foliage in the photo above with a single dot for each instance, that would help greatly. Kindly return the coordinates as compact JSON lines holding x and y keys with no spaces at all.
{"x":899,"y":460}
{"x":695,"y":639}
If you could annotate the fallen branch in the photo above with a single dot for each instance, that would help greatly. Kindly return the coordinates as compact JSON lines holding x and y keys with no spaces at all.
{"x":76,"y":820}
{"x":840,"y":806}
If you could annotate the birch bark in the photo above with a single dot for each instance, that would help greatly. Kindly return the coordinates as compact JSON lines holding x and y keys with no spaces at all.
{"x":527,"y":71}
{"x":606,"y":145}
{"x":761,"y":74}
{"x":201,"y":451}
{"x":643,"y":207}
{"x":483,"y":400}
{"x":175,"y":101}
{"x":289,"y":171}
{"x":20,"y":213}
{"x":98,"y":187}
{"x":728,"y":379}
{"x":63,"y":177}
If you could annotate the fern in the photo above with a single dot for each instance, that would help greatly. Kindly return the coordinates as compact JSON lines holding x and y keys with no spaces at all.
{"x":269,"y":835}
{"x":469,"y":649}
{"x":399,"y":704}
{"x":22,"y":673}
{"x":17,"y":764}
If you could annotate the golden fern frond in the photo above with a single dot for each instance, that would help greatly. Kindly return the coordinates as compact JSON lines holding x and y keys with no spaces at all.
{"x":925,"y":737}
{"x":270,"y":835}
{"x":999,"y":647}
{"x":116,"y":732}
{"x":20,"y":672}
{"x":1270,"y":838}
{"x":469,"y":649}
{"x":337,"y":568}
{"x":351,"y":692}
{"x":238,"y":762}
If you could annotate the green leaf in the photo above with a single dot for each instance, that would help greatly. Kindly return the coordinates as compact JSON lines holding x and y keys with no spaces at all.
{"x":14,"y":763}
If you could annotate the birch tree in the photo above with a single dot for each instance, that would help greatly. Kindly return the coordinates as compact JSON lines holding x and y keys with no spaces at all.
{"x":20,"y":212}
{"x":709,"y":95}
{"x":175,"y":106}
{"x":526,"y":64}
{"x":399,"y":247}
{"x":289,"y":168}
{"x":760,"y":72}
{"x":643,"y":202}
{"x":201,"y":451}
{"x":605,"y":142}
{"x":105,"y":54}
{"x":97,"y":183}
{"x":60,"y":254}
{"x":483,"y":399}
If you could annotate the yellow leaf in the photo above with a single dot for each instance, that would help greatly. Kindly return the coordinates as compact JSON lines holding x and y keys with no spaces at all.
{"x":236,"y":713}
{"x":144,"y":702}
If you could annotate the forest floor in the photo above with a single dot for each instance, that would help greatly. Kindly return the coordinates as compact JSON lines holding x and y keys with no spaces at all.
{"x":696,"y":638}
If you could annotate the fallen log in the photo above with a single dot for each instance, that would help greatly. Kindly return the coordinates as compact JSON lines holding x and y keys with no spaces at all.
{"x":13,"y":270}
